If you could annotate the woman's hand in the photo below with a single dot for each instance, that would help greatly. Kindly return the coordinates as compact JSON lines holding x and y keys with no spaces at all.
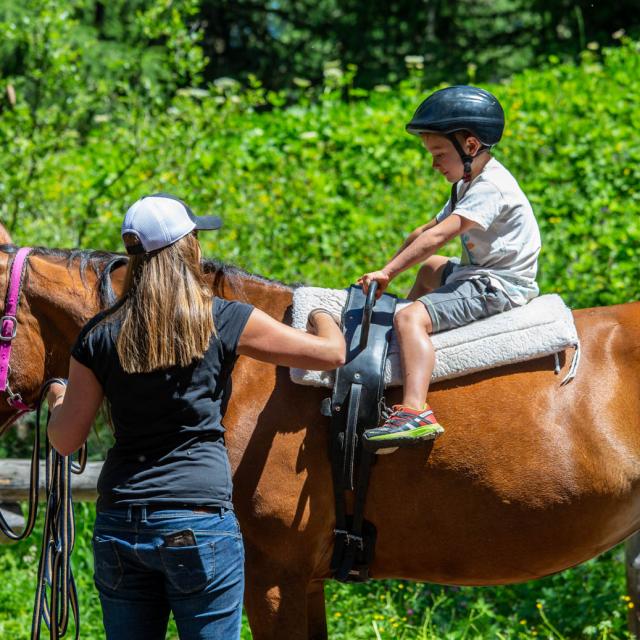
{"x":312,"y":322}
{"x":55,"y":395}
{"x":381,"y":277}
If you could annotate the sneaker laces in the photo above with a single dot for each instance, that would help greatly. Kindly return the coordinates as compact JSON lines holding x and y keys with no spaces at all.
{"x":385,"y":410}
{"x":391,"y":415}
{"x":398,"y":417}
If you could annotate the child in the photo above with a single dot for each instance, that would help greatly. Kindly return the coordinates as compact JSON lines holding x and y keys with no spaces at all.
{"x":500,"y":246}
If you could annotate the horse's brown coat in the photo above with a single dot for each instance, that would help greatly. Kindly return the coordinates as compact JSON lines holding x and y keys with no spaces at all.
{"x":529,"y":478}
{"x":5,"y":237}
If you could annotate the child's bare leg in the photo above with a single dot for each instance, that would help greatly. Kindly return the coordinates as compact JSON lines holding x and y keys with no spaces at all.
{"x":412,"y":422}
{"x":413,"y":325}
{"x":429,"y":276}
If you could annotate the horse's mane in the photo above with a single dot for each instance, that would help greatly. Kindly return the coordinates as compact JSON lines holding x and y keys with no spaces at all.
{"x":234,"y":277}
{"x":102,"y":263}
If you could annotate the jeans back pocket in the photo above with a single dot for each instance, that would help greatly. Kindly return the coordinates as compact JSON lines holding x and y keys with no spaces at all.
{"x":188,"y":569}
{"x":107,"y":564}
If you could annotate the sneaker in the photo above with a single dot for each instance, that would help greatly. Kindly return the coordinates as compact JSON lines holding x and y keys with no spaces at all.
{"x":405,"y":426}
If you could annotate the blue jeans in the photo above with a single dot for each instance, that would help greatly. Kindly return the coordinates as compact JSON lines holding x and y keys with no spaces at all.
{"x":143,"y":571}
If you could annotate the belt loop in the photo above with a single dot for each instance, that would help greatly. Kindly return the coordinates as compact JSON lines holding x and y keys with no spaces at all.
{"x":129,"y":513}
{"x":143,"y":513}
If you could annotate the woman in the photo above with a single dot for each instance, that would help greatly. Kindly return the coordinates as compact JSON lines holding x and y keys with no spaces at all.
{"x":166,"y":538}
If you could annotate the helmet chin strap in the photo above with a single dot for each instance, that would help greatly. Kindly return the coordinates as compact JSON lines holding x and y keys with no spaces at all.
{"x":465,"y":157}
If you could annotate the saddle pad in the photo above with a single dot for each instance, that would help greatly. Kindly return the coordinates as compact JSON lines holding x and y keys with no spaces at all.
{"x":542,"y":327}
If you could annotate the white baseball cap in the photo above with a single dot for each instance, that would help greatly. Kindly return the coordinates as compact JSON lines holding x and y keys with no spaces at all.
{"x":161,"y":219}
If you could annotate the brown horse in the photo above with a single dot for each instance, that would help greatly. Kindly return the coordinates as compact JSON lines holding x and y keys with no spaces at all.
{"x":5,"y":237}
{"x":530,"y":478}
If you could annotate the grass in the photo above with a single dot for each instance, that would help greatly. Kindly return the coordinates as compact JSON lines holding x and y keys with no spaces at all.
{"x":587,"y":601}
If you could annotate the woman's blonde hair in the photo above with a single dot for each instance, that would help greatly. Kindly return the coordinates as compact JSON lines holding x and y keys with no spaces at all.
{"x":166,"y":308}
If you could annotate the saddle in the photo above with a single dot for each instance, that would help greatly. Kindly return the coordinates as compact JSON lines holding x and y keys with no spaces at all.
{"x":543,"y":327}
{"x":354,"y":406}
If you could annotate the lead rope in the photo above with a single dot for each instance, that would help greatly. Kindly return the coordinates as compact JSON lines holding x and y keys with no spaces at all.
{"x":34,"y":482}
{"x":58,"y":538}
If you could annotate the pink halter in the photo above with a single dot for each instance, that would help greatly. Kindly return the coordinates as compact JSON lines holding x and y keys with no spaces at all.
{"x":9,"y":326}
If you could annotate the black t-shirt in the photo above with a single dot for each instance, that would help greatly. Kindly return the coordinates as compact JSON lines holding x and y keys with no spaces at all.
{"x":169,"y":442}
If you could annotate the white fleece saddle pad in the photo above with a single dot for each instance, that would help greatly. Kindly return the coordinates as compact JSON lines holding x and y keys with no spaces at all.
{"x":544,"y":326}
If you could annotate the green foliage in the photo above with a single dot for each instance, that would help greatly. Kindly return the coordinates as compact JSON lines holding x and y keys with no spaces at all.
{"x":584,"y":602}
{"x":147,"y":44}
{"x":61,"y":81}
{"x":325,"y":189}
{"x":318,"y":190}
{"x":280,"y":41}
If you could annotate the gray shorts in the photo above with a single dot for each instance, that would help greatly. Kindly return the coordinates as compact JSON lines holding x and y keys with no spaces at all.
{"x":463,"y":301}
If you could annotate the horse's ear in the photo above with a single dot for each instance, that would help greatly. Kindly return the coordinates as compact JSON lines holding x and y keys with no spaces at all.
{"x":5,"y":238}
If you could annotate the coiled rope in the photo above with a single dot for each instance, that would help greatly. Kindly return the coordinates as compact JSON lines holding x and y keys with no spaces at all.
{"x":58,"y":538}
{"x":56,"y":594}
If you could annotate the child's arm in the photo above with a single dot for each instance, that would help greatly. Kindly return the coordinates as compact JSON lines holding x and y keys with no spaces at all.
{"x":417,"y":232}
{"x":423,"y":246}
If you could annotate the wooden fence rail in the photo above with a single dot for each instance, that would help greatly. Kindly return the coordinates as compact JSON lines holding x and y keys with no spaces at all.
{"x":15,"y":476}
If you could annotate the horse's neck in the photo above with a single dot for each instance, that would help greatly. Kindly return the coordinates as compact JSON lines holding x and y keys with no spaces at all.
{"x":5,"y":237}
{"x":68,"y":299}
{"x":61,"y":300}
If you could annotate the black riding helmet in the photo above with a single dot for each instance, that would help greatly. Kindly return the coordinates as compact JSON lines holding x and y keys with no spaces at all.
{"x":461,"y":108}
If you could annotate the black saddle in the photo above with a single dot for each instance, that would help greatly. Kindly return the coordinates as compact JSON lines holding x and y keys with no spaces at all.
{"x":355,"y":406}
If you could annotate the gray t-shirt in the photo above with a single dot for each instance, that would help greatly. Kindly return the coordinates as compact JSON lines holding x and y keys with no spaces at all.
{"x":506,"y":243}
{"x":169,"y":437}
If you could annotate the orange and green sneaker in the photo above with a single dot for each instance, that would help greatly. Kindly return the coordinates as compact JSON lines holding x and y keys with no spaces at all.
{"x":403,"y":427}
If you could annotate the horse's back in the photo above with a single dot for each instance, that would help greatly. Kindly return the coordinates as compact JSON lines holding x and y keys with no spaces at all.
{"x":530,"y":477}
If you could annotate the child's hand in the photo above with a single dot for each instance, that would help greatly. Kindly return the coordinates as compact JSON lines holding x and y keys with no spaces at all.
{"x":379,"y":276}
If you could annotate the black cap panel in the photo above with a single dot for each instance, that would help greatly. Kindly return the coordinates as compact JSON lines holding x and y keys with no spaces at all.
{"x":203,"y":223}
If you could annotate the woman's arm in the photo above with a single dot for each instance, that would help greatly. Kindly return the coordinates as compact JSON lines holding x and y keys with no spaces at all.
{"x":71,"y":420}
{"x":268,"y":340}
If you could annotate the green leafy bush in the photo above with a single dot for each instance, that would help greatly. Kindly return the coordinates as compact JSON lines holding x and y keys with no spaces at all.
{"x":322,"y":190}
